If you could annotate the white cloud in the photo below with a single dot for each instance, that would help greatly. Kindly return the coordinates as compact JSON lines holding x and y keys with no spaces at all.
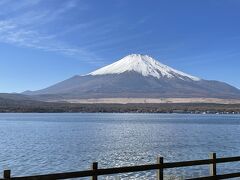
{"x":31,"y":23}
{"x":22,"y":29}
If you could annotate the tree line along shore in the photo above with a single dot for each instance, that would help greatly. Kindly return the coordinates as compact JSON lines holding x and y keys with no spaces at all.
{"x":11,"y":106}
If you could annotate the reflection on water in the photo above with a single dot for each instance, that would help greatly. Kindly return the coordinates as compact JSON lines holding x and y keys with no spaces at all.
{"x":46,"y":143}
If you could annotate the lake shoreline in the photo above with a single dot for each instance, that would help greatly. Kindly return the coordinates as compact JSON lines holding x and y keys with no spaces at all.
{"x":174,"y":108}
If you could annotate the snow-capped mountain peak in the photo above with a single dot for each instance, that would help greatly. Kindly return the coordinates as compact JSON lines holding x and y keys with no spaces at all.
{"x":145,"y":65}
{"x":136,"y":76}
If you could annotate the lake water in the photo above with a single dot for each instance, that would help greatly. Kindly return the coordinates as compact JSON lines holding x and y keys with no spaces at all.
{"x":47,"y":143}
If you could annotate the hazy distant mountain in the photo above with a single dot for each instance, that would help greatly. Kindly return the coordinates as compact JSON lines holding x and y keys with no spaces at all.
{"x":137,"y":76}
{"x":15,"y":97}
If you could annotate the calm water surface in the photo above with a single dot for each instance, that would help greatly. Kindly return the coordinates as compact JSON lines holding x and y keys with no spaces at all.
{"x":46,"y":143}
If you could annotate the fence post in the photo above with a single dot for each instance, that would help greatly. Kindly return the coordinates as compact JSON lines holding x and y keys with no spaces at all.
{"x":213,"y":166}
{"x":94,"y":168}
{"x":160,"y":170}
{"x":6,"y":174}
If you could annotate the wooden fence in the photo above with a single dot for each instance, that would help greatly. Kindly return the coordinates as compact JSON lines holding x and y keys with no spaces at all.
{"x":95,"y":172}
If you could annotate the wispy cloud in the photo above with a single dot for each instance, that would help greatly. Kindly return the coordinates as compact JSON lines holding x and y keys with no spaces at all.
{"x":12,"y":34}
{"x":22,"y":28}
{"x":50,"y":25}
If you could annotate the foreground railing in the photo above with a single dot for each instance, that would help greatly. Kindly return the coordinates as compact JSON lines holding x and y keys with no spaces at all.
{"x":159,"y":166}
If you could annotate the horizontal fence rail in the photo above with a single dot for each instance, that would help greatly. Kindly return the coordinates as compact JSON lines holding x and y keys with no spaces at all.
{"x":159,"y":166}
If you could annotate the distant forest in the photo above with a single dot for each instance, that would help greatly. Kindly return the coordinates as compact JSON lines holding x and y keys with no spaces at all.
{"x":28,"y":106}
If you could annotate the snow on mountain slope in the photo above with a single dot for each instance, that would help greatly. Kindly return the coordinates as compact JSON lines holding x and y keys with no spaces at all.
{"x":145,"y":65}
{"x":136,"y":76}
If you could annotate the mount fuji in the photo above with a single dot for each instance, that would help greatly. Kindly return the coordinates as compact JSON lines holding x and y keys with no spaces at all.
{"x":137,"y":76}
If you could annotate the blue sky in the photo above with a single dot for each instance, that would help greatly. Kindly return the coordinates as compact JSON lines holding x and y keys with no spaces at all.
{"x":46,"y":41}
